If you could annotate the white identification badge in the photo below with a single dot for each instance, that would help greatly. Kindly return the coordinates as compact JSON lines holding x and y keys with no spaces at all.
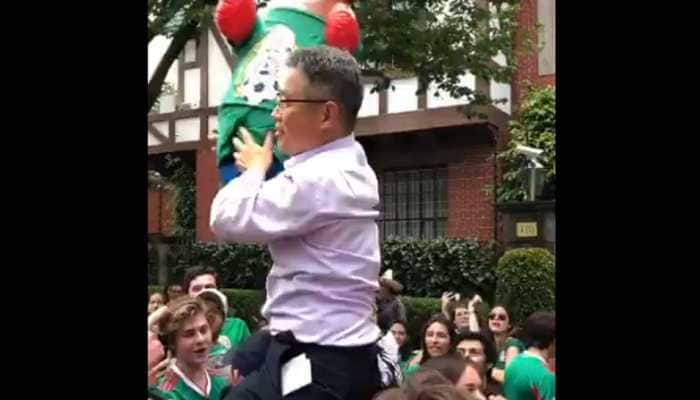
{"x":296,"y":374}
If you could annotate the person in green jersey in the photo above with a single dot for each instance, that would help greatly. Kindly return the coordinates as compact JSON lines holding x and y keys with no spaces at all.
{"x":227,"y":333}
{"x":185,"y":330}
{"x":507,"y":346}
{"x":527,"y":377}
{"x":234,"y":330}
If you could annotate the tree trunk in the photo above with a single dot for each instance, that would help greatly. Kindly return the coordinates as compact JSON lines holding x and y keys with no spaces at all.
{"x":185,"y":33}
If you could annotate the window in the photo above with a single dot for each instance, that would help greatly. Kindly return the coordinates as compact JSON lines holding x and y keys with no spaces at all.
{"x":546,"y":18}
{"x":413,"y":203}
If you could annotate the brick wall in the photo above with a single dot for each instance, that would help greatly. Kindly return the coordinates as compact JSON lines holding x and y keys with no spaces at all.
{"x":527,"y":61}
{"x":469,"y":155}
{"x":159,"y":212}
{"x":470,"y":194}
{"x":207,"y":184}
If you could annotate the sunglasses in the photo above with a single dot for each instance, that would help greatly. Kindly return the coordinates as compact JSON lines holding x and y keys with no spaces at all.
{"x":500,"y":317}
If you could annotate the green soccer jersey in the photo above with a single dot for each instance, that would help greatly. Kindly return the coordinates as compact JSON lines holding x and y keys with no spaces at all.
{"x":233,"y":333}
{"x":527,"y":378}
{"x":174,"y":385}
{"x":252,"y":95}
{"x":510,"y":342}
{"x":236,"y":330}
{"x":407,"y":369}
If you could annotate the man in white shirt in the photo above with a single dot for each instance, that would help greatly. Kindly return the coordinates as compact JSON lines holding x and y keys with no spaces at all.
{"x":318,"y":219}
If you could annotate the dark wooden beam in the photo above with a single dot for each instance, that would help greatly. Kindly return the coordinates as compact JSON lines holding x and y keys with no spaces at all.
{"x":203,"y":57}
{"x":172,"y":147}
{"x":383,"y":102}
{"x":190,"y":65}
{"x":180,"y":80}
{"x":223,"y":46}
{"x":157,"y":133}
{"x":427,"y":119}
{"x":180,"y":114}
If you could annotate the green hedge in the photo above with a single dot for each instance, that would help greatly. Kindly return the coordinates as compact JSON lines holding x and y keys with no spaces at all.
{"x":427,"y":268}
{"x":525,"y":282}
{"x":247,"y":303}
{"x":238,"y":265}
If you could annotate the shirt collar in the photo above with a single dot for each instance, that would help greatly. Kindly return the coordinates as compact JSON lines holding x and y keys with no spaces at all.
{"x":191,"y":384}
{"x":345,"y":141}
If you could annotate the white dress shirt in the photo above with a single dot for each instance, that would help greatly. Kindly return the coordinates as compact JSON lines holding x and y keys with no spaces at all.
{"x":318,"y":218}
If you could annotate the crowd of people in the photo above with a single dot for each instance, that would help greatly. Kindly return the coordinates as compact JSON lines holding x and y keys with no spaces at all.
{"x":457,"y":359}
{"x":333,"y":328}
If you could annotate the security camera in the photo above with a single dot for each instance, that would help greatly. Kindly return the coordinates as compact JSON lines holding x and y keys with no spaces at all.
{"x":529,"y":152}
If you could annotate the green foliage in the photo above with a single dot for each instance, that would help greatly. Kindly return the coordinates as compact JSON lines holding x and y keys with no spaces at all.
{"x":182,"y":182}
{"x":246,"y":304}
{"x":165,"y":17}
{"x":525,"y":282}
{"x":424,"y":267}
{"x":238,"y":265}
{"x":437,"y":40}
{"x":534,"y":127}
{"x":430,"y":267}
{"x":418,"y":311}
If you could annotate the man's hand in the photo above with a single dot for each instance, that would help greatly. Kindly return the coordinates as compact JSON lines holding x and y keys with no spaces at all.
{"x":249,"y":155}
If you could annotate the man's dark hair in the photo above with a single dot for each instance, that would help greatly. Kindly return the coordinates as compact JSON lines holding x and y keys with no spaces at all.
{"x":489,"y":347}
{"x":539,"y":330}
{"x":336,"y":74}
{"x":196,"y":271}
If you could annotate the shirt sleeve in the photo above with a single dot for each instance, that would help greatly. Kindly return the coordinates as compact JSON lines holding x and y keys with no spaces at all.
{"x":251,"y":210}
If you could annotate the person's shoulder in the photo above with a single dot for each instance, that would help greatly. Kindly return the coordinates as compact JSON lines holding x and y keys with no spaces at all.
{"x":169,"y":381}
{"x":533,"y":365}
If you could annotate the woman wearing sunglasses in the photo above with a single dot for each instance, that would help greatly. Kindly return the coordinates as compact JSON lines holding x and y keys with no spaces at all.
{"x":508,"y":347}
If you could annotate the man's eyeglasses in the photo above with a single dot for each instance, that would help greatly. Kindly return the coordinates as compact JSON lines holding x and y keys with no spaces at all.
{"x":500,"y":317}
{"x":282,"y":101}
